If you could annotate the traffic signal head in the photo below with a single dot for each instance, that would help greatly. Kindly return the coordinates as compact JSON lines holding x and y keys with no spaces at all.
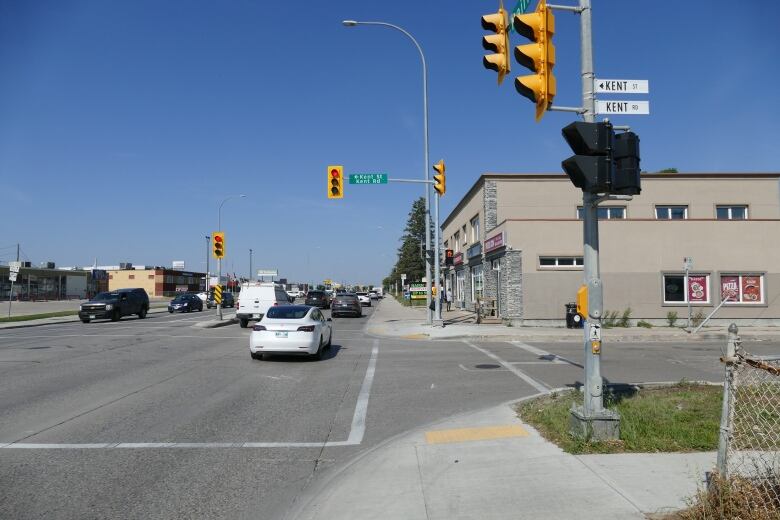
{"x":591,"y":168}
{"x":539,"y":56}
{"x":440,"y":179}
{"x":498,"y":43}
{"x":625,"y":178}
{"x":335,"y":182}
{"x":218,"y":244}
{"x":449,"y":257}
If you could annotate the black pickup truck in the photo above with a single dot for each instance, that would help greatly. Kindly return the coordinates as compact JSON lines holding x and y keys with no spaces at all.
{"x":115,"y":304}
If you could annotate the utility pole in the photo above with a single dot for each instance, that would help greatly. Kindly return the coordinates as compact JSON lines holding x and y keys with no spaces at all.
{"x":250,"y":264}
{"x":208,"y":273}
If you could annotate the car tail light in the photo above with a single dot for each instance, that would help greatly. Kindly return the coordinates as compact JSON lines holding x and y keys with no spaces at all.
{"x":307,"y":328}
{"x":259,"y":327}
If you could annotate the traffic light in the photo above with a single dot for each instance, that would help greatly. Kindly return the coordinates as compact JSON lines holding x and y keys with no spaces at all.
{"x":335,"y":182}
{"x":625,"y":177}
{"x":498,"y":43}
{"x":218,"y":244}
{"x":449,"y":257}
{"x":440,"y":184}
{"x":539,"y":56}
{"x":590,"y":169}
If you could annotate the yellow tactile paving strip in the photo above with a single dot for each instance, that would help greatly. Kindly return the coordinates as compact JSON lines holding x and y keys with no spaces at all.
{"x":475,"y":434}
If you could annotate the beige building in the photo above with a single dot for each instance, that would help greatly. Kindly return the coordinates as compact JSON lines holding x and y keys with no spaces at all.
{"x":157,"y":281}
{"x":517,"y":242}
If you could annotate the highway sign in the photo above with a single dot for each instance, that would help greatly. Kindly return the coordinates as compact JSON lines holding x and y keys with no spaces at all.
{"x":622,"y":107}
{"x":622,"y":86}
{"x":368,"y":178}
{"x":14,"y":266}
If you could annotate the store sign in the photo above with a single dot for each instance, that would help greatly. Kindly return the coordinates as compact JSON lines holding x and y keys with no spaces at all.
{"x":474,"y":250}
{"x":457,"y":259}
{"x":417,"y":291}
{"x":741,"y":289}
{"x":494,"y":242}
{"x":697,"y":289}
{"x":751,"y":289}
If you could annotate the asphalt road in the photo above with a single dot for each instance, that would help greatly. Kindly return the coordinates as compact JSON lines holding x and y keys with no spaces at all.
{"x":157,"y":419}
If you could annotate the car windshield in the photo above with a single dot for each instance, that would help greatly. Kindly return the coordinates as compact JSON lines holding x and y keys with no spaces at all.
{"x":180,"y":298}
{"x":106,"y":296}
{"x":288,"y":312}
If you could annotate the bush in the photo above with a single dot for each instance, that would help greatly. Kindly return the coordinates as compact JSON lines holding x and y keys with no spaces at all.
{"x":697,"y":318}
{"x":625,"y":319}
{"x":671,"y":318}
{"x":644,"y":324}
{"x":735,"y":497}
{"x":610,"y":319}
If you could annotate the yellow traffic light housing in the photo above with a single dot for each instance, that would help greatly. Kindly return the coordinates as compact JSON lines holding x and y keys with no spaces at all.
{"x":498,"y":43}
{"x":539,"y":56}
{"x":440,"y":179}
{"x":218,"y":244}
{"x":335,"y":182}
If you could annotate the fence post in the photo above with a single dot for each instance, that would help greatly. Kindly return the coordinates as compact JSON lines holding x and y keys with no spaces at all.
{"x":725,"y":415}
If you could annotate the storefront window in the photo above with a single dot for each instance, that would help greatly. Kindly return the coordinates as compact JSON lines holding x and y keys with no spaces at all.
{"x":742,"y":288}
{"x":698,"y":288}
{"x":476,"y":283}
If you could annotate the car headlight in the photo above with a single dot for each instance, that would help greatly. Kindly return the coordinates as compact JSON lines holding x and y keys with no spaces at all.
{"x":109,"y":307}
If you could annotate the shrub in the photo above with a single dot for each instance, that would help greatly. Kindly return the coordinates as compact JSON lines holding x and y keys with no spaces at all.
{"x":671,"y":318}
{"x":644,"y":324}
{"x":610,"y":319}
{"x":625,"y":318}
{"x":697,"y":318}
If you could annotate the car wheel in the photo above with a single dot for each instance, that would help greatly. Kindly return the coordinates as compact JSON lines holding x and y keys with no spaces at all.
{"x":256,"y":355}
{"x":330,"y":340}
{"x":243,"y":323}
{"x":142,"y":314}
{"x":115,"y":315}
{"x":84,"y":320}
{"x":318,"y":355}
{"x":170,"y":310}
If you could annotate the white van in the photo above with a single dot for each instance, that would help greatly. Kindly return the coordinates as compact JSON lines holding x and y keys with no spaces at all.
{"x":255,"y":298}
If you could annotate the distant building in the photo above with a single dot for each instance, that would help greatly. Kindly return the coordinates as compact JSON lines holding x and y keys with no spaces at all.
{"x":517,"y":242}
{"x":156,"y":281}
{"x":36,"y":283}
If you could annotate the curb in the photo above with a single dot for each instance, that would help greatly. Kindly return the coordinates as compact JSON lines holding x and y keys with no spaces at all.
{"x":61,"y":319}
{"x":213,"y":324}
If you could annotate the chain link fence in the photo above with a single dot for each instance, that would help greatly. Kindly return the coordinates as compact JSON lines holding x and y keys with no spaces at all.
{"x":749,"y":448}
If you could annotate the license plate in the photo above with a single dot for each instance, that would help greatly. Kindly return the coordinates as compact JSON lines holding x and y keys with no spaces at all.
{"x":281,"y":334}
{"x":92,"y":316}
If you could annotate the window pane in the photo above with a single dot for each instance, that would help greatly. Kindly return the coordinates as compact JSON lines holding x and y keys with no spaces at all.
{"x":617,"y":212}
{"x":661,"y":212}
{"x":565,"y":261}
{"x":678,"y":213}
{"x":603,"y":213}
{"x":674,"y":288}
{"x":722,"y":213}
{"x":546,"y":261}
{"x":578,"y":261}
{"x":580,"y":214}
{"x":738,"y":213}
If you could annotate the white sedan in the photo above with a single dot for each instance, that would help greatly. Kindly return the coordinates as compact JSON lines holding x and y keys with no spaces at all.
{"x":291,"y":329}
{"x":364,"y":299}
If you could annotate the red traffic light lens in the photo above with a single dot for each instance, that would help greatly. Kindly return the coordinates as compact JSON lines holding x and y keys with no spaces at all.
{"x":334,"y":173}
{"x":217,"y":238}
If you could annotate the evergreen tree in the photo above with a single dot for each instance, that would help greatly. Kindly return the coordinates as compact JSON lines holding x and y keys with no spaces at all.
{"x":410,"y":254}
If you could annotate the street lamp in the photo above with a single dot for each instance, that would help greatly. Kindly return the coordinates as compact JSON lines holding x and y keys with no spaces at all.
{"x":208,"y":243}
{"x":353,"y":23}
{"x":219,"y":260}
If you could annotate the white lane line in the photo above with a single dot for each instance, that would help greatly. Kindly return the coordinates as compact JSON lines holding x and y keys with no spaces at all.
{"x":356,"y":432}
{"x":554,"y":358}
{"x":516,"y":371}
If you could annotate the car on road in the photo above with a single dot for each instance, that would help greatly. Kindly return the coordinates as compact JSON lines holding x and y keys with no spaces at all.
{"x":204,"y":296}
{"x":256,"y":298}
{"x":115,"y":304}
{"x":373,"y":295}
{"x":227,"y":301}
{"x":319,"y":299}
{"x":364,"y":299}
{"x":346,"y":304}
{"x":294,"y":293}
{"x":187,"y":302}
{"x":291,"y":329}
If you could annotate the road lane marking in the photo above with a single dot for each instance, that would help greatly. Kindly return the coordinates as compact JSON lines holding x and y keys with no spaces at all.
{"x":356,"y":432}
{"x":516,"y":371}
{"x":483,"y":433}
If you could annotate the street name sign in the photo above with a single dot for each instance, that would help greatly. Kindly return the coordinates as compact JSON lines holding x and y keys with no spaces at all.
{"x":368,"y":178}
{"x":622,"y":86}
{"x":622,"y":107}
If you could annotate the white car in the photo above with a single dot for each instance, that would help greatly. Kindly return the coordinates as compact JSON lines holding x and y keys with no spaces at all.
{"x":364,"y":299}
{"x":203,"y":296}
{"x":291,"y":329}
{"x":256,"y":298}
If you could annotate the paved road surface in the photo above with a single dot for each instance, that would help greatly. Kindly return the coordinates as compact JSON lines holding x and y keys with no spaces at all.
{"x":157,"y":419}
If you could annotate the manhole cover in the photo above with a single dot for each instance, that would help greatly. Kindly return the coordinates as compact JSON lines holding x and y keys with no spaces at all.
{"x":487,"y":366}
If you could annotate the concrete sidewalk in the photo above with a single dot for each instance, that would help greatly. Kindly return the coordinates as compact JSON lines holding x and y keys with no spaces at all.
{"x":393,"y":320}
{"x":489,"y":465}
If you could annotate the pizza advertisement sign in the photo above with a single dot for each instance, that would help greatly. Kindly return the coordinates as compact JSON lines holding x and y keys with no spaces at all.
{"x":697,"y":289}
{"x":742,"y":288}
{"x":751,"y":289}
{"x":729,"y":288}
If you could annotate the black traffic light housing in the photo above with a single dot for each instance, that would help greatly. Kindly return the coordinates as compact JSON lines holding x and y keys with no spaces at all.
{"x":449,"y":257}
{"x":604,"y":162}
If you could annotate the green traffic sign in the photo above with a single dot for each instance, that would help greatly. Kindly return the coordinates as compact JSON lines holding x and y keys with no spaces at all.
{"x":368,"y":178}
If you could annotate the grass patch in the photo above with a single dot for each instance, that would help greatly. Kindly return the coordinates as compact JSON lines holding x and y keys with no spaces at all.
{"x":684,"y":417}
{"x":28,"y":317}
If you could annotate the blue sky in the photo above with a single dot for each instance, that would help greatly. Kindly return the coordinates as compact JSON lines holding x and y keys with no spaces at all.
{"x":123,"y":124}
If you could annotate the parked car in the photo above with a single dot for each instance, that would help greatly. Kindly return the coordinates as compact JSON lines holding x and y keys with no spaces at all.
{"x":227,"y":301}
{"x":291,"y":329}
{"x":186,"y":302}
{"x":319,"y":299}
{"x":364,"y":299}
{"x":115,"y":304}
{"x":348,"y":304}
{"x":373,"y":295}
{"x":256,"y":298}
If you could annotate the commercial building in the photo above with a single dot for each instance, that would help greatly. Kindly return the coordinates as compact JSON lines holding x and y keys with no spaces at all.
{"x":45,"y":283}
{"x":156,"y":281}
{"x":517,"y":242}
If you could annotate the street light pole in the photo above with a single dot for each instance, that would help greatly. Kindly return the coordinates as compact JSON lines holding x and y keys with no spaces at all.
{"x":426,"y":176}
{"x":208,"y":244}
{"x":250,"y":264}
{"x":219,"y":260}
